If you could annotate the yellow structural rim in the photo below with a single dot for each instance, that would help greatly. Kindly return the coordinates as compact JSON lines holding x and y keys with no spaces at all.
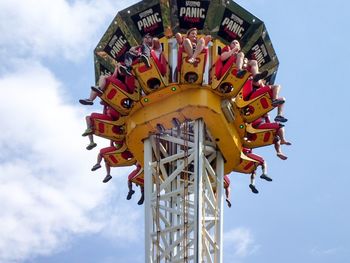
{"x":183,"y":102}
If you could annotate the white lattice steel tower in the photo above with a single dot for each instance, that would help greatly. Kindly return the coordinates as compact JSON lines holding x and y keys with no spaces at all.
{"x":183,"y":196}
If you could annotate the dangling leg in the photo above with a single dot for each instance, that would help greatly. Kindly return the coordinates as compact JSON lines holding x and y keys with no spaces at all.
{"x":280,"y":133}
{"x":199,"y":49}
{"x":264,"y":172}
{"x":227,"y":190}
{"x":228,"y":196}
{"x":90,"y":100}
{"x":98,"y":90}
{"x":140,"y":202}
{"x":108,"y":170}
{"x":252,"y":183}
{"x":279,"y":117}
{"x":239,"y":63}
{"x":279,"y":102}
{"x":89,"y":132}
{"x":278,"y":150}
{"x":98,"y":163}
{"x":188,"y":47}
{"x":131,"y":192}
{"x":254,"y":68}
{"x":239,"y":60}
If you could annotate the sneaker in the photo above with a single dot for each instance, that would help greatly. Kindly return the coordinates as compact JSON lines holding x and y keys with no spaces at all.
{"x":87,"y":132}
{"x":260,"y":76}
{"x":286,"y":142}
{"x":91,"y":146}
{"x":241,"y":73}
{"x":265,"y":177}
{"x":140,"y":202}
{"x":86,"y":102}
{"x":254,"y":190}
{"x":97,"y":89}
{"x":125,"y":70}
{"x":107,"y":178}
{"x":145,"y":60}
{"x":131,"y":192}
{"x":282,"y":156}
{"x":95,"y":167}
{"x":280,"y":118}
{"x":277,"y":102}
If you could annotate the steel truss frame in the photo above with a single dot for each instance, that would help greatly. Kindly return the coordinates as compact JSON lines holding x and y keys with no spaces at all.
{"x":183,"y":196}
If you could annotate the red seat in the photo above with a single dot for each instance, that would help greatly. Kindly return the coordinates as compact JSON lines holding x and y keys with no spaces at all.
{"x":161,"y":62}
{"x":117,"y":82}
{"x":250,"y":154}
{"x":247,"y":89}
{"x":221,"y":68}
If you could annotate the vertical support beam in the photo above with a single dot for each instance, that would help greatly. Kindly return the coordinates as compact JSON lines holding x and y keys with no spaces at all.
{"x":220,"y":204}
{"x":198,"y":183}
{"x":148,"y":184}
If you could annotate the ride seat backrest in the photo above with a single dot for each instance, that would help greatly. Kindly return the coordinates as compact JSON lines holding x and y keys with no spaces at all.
{"x":247,"y":89}
{"x":118,"y":98}
{"x":262,"y":135}
{"x":116,"y":158}
{"x":161,"y":62}
{"x":117,"y":82}
{"x":218,"y":68}
{"x":130,"y":83}
{"x":139,"y":179}
{"x":221,"y":68}
{"x":179,"y":57}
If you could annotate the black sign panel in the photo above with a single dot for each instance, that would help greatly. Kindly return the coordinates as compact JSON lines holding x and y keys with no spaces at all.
{"x":149,"y":21}
{"x":117,"y":46}
{"x":259,"y":52}
{"x":192,"y":13}
{"x":232,"y":26}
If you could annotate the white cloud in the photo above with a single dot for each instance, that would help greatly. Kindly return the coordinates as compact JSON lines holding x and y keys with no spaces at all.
{"x":47,"y":192}
{"x":316,"y":251}
{"x":53,"y":28}
{"x":242,"y":241}
{"x":128,"y":228}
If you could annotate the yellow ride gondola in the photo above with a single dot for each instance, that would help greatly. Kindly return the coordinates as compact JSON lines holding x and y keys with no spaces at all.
{"x":253,"y":107}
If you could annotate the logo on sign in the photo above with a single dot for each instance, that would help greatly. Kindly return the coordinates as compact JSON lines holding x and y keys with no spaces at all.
{"x":259,"y":52}
{"x":117,"y":45}
{"x":232,"y":26}
{"x":192,"y":13}
{"x":149,"y":21}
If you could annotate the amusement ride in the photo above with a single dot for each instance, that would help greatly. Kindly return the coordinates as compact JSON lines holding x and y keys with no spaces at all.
{"x":186,"y":119}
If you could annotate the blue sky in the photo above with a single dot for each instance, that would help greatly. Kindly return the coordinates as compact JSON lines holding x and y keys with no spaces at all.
{"x":53,"y":209}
